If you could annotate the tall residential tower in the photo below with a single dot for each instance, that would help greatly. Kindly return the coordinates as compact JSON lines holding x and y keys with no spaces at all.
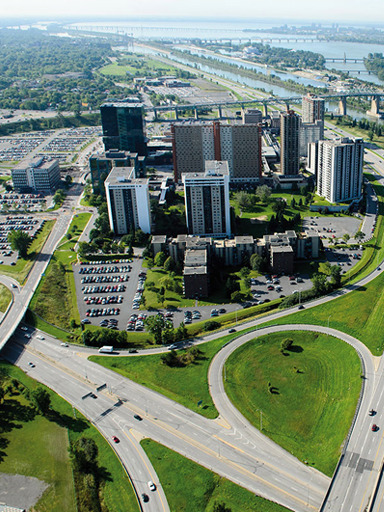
{"x":207,"y":200}
{"x":289,"y":132}
{"x":340,"y":169}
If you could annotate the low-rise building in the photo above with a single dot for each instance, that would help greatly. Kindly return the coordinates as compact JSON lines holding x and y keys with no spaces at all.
{"x":36,"y":174}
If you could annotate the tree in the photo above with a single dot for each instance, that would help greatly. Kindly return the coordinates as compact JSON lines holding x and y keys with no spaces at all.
{"x":41,"y":399}
{"x":336,"y":276}
{"x":211,"y":325}
{"x":244,"y":272}
{"x":359,"y":236}
{"x":181,"y":332}
{"x":159,"y":259}
{"x":68,"y":179}
{"x":286,"y":344}
{"x":346,"y":237}
{"x":264,"y":193}
{"x":221,"y":507}
{"x":160,"y":328}
{"x":130,"y":251}
{"x":279,"y":206}
{"x":236,"y":296}
{"x":84,"y":452}
{"x":169,"y":264}
{"x":19,"y":241}
{"x":256,"y":262}
{"x":319,"y":282}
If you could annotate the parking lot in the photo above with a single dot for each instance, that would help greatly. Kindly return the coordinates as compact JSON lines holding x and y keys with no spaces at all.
{"x":345,"y":258}
{"x":331,"y":228}
{"x":28,"y":224}
{"x":18,"y":201}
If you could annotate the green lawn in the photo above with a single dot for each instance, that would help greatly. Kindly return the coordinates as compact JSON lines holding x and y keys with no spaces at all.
{"x":307,"y":397}
{"x":137,"y":65}
{"x":187,"y":385}
{"x":5,"y":298}
{"x":203,"y":488}
{"x":171,"y":298}
{"x":359,"y":313}
{"x":23,"y":266}
{"x":75,"y":229}
{"x":37,"y":446}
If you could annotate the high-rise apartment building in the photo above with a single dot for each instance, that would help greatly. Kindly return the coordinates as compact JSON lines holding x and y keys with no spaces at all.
{"x":127,"y":201}
{"x":252,"y":116}
{"x":101,"y":164}
{"x":313,"y":108}
{"x":238,"y":144}
{"x":123,"y":129}
{"x":309,"y":133}
{"x":207,"y":200}
{"x":37,"y":174}
{"x":289,"y":148}
{"x":340,"y":169}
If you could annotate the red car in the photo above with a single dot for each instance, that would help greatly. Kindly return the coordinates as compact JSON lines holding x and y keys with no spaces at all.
{"x":115,"y":439}
{"x":375,"y":428}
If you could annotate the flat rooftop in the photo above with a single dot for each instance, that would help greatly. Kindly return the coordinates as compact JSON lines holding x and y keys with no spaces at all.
{"x":124,"y":175}
{"x":195,"y":270}
{"x":37,"y":162}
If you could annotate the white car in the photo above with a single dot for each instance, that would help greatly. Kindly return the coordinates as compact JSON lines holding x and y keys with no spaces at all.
{"x":23,"y":328}
{"x":28,"y":336}
{"x":64,"y":344}
{"x":151,"y":486}
{"x":40,"y":337}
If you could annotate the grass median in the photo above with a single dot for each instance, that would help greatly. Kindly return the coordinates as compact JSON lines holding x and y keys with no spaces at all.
{"x":5,"y":298}
{"x":36,"y":445}
{"x":204,"y":488}
{"x":186,"y":385}
{"x":304,"y":398}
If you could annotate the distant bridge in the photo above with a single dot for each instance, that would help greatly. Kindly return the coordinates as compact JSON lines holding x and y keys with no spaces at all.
{"x":344,"y":59}
{"x":286,"y":101}
{"x":190,"y":34}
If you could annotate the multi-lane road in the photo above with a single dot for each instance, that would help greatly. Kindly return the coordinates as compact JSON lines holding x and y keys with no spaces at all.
{"x":229,"y":445}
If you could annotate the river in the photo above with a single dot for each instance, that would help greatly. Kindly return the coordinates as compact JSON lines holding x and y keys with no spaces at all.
{"x":250,"y":82}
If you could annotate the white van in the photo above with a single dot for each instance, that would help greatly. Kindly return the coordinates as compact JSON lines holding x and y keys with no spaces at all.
{"x":106,"y":349}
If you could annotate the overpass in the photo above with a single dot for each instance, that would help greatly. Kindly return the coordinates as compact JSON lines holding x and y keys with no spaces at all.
{"x":286,"y":101}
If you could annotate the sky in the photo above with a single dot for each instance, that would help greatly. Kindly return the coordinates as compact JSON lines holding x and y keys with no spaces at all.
{"x":321,"y":10}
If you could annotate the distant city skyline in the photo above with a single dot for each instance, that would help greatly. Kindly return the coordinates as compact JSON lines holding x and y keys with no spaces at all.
{"x":342,"y":11}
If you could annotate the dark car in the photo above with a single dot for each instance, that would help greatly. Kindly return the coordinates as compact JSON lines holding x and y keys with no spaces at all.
{"x":301,"y":307}
{"x":372,"y":412}
{"x":137,"y":417}
{"x":222,"y":311}
{"x":115,"y":439}
{"x":145,"y":497}
{"x":132,"y":351}
{"x":375,"y":428}
{"x":232,"y":330}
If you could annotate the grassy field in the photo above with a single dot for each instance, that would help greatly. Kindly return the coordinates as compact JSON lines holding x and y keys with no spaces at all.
{"x":171,"y":298}
{"x":204,"y":487}
{"x":23,"y":266}
{"x":5,"y":298}
{"x":55,"y":297}
{"x":137,"y":65}
{"x":37,"y":446}
{"x":307,"y":397}
{"x":186,"y":385}
{"x":359,"y":314}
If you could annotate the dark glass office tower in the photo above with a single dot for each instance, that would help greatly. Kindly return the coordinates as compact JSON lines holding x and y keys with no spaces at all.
{"x":123,"y":128}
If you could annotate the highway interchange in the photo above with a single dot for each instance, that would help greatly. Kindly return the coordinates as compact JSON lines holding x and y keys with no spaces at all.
{"x":228,"y":445}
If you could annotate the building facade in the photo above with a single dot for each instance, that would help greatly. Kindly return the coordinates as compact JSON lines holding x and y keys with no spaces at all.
{"x":238,"y":144}
{"x":309,"y":133}
{"x":207,"y":206}
{"x":340,"y":169}
{"x":37,"y":174}
{"x":289,"y":149}
{"x":123,"y":128}
{"x":127,"y":201}
{"x":312,"y":108}
{"x":101,"y":164}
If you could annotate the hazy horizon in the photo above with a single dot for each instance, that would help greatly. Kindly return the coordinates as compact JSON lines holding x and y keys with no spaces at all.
{"x":280,"y":11}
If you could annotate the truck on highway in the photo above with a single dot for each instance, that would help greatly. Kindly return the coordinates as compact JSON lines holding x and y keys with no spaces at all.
{"x":106,"y":349}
